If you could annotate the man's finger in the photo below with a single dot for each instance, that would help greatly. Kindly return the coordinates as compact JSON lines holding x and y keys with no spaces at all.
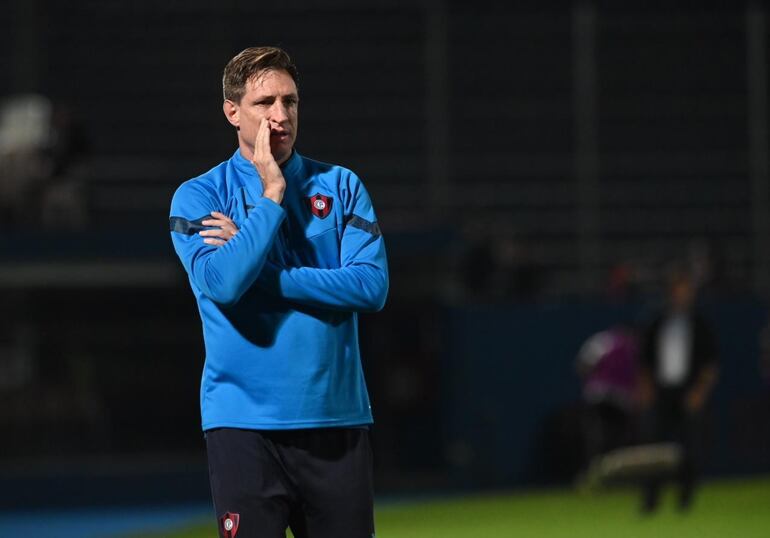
{"x":225,"y":232}
{"x":224,"y":224}
{"x":221,"y":216}
{"x":216,"y":222}
{"x":215,"y":242}
{"x":259,"y":144}
{"x":265,"y":140}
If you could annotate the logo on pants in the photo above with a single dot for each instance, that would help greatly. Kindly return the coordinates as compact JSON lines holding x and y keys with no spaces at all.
{"x":229,"y":523}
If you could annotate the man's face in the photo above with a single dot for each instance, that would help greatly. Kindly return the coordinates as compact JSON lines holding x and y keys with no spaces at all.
{"x":682,"y":295}
{"x":271,"y":95}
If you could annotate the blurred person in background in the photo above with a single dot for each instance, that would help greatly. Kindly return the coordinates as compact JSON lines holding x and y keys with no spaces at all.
{"x":678,"y":373}
{"x":26,"y":136}
{"x":498,"y":267}
{"x":281,"y":252}
{"x":608,"y":366}
{"x":39,"y":143}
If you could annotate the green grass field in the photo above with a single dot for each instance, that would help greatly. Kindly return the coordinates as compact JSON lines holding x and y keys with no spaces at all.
{"x":722,"y":510}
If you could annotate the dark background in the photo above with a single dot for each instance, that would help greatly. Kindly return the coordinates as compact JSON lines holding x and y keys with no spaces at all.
{"x":534,"y":169}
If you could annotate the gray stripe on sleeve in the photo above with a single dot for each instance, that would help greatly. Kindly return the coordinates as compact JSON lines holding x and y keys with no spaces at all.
{"x":365,"y":225}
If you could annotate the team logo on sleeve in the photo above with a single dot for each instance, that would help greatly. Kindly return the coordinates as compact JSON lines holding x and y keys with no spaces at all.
{"x":320,"y":205}
{"x":229,"y":523}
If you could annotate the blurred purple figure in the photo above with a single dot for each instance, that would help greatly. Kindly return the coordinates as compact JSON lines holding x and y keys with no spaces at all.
{"x":608,"y":365}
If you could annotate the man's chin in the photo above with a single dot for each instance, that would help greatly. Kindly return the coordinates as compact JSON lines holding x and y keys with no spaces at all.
{"x":281,"y":156}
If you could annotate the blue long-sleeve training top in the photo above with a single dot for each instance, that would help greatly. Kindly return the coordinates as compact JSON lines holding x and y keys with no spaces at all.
{"x":279,"y":300}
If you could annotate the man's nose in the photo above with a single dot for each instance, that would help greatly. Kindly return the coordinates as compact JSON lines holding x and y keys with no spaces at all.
{"x":278,"y":112}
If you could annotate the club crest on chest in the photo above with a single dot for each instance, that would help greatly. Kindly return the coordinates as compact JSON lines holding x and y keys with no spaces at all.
{"x":320,"y":205}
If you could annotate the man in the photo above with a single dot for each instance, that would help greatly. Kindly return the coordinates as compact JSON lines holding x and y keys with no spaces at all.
{"x":679,"y":370}
{"x":281,"y":252}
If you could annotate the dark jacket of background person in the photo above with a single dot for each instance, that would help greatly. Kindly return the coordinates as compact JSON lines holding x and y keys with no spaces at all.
{"x":675,"y":406}
{"x":702,"y":351}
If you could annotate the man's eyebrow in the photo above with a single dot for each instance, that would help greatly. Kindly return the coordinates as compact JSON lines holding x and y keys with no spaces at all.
{"x":291,"y":95}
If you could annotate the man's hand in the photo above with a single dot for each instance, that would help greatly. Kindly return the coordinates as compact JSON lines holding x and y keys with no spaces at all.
{"x":273,"y":182}
{"x":226,"y":231}
{"x":694,"y":400}
{"x":645,"y":390}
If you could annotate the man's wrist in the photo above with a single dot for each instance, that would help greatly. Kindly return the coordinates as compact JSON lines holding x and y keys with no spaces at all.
{"x":275,"y":194}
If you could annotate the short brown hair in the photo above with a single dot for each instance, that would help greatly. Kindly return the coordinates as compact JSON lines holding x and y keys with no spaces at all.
{"x":248,"y":64}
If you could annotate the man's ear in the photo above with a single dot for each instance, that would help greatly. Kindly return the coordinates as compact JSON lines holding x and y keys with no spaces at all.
{"x":232,"y":113}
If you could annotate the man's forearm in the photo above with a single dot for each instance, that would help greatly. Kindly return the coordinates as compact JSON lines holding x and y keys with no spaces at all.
{"x":355,"y":288}
{"x":226,"y":273}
